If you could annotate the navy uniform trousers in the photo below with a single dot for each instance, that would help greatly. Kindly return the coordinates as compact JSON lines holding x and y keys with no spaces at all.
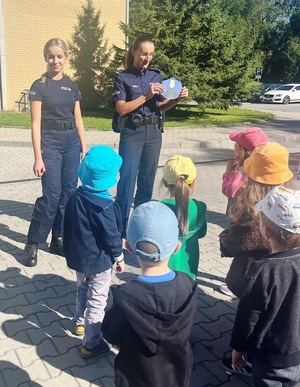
{"x":140,"y":150}
{"x":61,"y":156}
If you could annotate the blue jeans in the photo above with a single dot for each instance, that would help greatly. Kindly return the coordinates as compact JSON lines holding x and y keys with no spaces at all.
{"x":91,"y":299}
{"x":140,"y":150}
{"x":267,"y":376}
{"x":61,"y":156}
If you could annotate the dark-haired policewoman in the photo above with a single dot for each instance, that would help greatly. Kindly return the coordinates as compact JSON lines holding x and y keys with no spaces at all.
{"x":138,"y":99}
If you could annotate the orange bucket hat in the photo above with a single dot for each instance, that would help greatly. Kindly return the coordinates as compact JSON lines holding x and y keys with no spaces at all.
{"x":269,"y":164}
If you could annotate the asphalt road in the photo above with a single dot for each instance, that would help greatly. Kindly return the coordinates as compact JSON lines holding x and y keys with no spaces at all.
{"x":291,"y":110}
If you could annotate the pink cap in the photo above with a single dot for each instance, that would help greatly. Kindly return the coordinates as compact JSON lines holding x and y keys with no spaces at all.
{"x":249,"y":138}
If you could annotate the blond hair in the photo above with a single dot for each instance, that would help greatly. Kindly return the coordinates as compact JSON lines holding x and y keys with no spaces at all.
{"x":250,"y":195}
{"x":243,"y":155}
{"x":53,"y":42}
{"x":181,"y":191}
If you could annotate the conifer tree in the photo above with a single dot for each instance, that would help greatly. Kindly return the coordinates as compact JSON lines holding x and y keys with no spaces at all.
{"x":198,"y":44}
{"x":89,"y":57}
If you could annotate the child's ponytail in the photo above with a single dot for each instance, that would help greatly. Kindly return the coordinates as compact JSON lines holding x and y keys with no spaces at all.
{"x":179,"y":175}
{"x":182,"y":196}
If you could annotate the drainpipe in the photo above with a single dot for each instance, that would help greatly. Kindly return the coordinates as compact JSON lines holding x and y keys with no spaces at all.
{"x":3,"y":83}
{"x":126,"y":19}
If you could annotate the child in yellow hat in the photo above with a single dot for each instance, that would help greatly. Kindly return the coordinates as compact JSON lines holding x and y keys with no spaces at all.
{"x":179,"y":176}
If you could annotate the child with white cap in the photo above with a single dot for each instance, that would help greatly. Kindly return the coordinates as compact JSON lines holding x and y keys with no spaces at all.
{"x":268,"y":315}
{"x":179,"y":177}
{"x":152,"y":316}
{"x":92,"y":243}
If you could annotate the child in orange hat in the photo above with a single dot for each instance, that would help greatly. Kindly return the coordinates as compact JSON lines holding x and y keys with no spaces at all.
{"x":266,"y":167}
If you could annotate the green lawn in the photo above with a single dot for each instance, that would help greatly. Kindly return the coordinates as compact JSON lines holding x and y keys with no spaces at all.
{"x":182,"y":116}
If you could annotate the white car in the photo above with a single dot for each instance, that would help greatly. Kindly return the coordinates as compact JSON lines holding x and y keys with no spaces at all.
{"x":284,"y":94}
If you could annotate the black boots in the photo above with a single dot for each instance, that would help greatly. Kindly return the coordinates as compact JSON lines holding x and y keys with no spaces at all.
{"x":56,"y":246}
{"x":30,"y":254}
{"x":31,"y":249}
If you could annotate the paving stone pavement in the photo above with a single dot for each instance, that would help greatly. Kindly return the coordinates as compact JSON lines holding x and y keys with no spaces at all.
{"x":37,"y":304}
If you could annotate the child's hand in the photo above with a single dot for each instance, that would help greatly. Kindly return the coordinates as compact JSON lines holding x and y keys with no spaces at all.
{"x":238,"y":359}
{"x":120,"y":266}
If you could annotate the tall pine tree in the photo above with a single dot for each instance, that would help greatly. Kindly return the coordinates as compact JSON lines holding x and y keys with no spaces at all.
{"x":198,"y":44}
{"x":89,"y":57}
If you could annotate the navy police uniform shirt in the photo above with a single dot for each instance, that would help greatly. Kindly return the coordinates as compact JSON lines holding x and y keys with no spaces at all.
{"x":58,"y":98}
{"x":132,"y":83}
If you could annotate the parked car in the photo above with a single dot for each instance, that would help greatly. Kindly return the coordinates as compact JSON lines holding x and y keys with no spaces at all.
{"x":258,"y":96}
{"x":284,"y":94}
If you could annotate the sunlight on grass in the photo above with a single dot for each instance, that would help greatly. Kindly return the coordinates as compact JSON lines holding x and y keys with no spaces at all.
{"x":180,"y":117}
{"x":192,"y":117}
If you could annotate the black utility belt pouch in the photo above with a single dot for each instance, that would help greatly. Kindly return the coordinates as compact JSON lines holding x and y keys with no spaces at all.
{"x":118,"y":122}
{"x":139,"y":120}
{"x":58,"y":125}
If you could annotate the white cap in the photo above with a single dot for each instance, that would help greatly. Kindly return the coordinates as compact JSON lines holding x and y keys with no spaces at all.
{"x":282,"y":206}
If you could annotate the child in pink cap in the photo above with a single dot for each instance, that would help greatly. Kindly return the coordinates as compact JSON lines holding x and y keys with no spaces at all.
{"x":234,"y":178}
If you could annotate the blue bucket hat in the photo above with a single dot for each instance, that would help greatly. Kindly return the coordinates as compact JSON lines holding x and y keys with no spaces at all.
{"x":156,"y":223}
{"x":99,"y":168}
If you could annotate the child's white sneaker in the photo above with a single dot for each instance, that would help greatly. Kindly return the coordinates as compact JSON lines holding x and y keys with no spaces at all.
{"x":224,"y":289}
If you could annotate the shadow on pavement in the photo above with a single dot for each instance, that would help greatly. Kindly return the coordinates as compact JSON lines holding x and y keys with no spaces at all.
{"x":15,"y":208}
{"x":14,"y":376}
{"x":40,"y":311}
{"x":217,"y":218}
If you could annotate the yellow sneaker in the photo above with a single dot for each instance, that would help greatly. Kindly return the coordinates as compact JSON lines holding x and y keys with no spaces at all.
{"x":100,"y":349}
{"x":79,"y":330}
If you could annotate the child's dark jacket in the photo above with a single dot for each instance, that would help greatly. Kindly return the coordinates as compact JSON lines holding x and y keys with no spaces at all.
{"x":243,"y":241}
{"x":92,"y":237}
{"x":151,"y":323}
{"x":268,"y":315}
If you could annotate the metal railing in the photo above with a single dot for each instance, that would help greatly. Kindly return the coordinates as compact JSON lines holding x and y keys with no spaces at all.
{"x":23,"y":103}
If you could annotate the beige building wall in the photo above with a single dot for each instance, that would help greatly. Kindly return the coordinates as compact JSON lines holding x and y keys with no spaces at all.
{"x":28,"y":25}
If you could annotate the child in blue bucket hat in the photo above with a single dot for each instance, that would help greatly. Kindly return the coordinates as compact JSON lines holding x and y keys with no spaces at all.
{"x":92,"y":243}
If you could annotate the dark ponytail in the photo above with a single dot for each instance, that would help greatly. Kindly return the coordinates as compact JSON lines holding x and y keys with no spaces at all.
{"x":135,"y":46}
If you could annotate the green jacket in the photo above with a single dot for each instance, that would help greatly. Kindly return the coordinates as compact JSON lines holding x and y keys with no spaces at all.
{"x":187,"y":257}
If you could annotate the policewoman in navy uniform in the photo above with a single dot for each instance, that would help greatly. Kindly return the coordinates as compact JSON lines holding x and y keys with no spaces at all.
{"x":138,"y":99}
{"x":58,"y":139}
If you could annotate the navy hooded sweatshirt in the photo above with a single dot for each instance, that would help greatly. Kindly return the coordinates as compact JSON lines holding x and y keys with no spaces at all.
{"x":92,"y":236}
{"x":151,"y":323}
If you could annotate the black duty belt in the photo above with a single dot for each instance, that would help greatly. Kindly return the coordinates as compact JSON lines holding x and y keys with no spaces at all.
{"x":59,"y":125}
{"x":142,"y":120}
